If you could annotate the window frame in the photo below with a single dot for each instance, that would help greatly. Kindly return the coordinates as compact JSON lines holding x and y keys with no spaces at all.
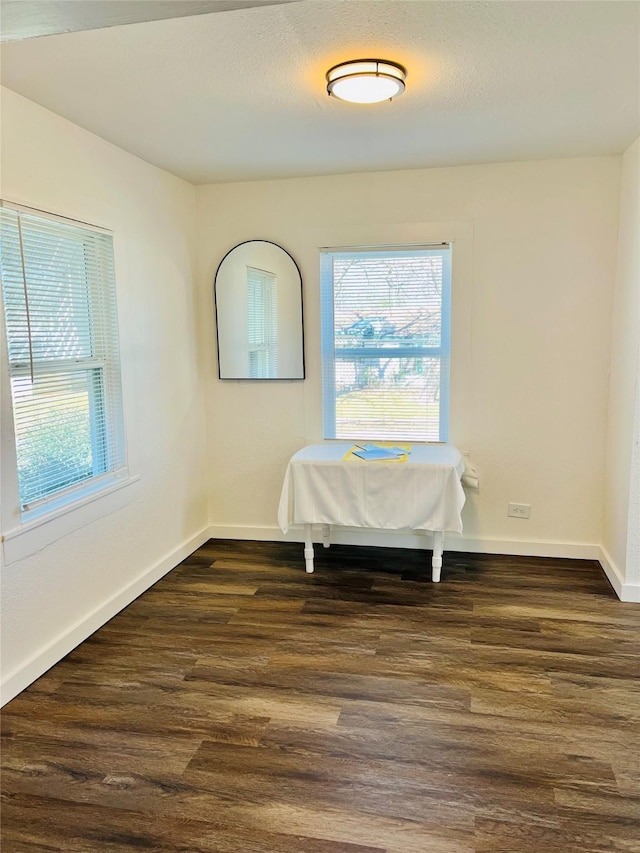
{"x":49,"y":509}
{"x":329,"y":354}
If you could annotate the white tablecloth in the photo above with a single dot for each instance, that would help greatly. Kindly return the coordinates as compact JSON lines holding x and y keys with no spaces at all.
{"x":423,"y":493}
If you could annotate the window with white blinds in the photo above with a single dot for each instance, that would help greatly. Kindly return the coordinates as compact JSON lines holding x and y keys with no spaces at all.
{"x":262,"y":324}
{"x":386,"y":342}
{"x":58,"y":290}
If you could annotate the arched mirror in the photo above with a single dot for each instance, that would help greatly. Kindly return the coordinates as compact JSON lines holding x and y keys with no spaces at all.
{"x":258,"y":299}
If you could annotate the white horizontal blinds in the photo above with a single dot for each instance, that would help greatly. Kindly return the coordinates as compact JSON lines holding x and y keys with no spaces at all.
{"x":53,"y":420}
{"x":262,"y":323}
{"x":385,"y":321}
{"x":58,"y":288}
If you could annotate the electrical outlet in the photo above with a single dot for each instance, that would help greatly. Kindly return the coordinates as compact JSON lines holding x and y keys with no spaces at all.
{"x":519,"y":510}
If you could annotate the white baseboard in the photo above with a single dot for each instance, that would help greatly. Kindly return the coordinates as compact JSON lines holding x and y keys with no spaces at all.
{"x":625,"y":591}
{"x":37,"y":665}
{"x":402,"y":539}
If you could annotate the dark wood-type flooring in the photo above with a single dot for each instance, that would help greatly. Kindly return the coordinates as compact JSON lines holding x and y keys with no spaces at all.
{"x":241,"y":706}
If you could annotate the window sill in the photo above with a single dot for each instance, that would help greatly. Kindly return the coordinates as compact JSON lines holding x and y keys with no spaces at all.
{"x":37,"y":532}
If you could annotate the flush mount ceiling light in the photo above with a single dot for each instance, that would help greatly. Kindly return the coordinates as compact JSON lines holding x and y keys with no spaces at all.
{"x":366,"y":81}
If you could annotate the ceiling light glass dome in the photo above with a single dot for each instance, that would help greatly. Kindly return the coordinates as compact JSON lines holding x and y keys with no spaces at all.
{"x":366,"y":81}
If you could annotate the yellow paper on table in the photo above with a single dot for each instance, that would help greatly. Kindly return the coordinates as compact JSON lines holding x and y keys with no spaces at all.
{"x":350,"y":455}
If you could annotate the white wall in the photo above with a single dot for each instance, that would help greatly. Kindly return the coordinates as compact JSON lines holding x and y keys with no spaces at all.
{"x":622,"y":503}
{"x":534,"y":260}
{"x":56,"y":597}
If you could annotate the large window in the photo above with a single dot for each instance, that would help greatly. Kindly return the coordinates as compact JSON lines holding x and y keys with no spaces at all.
{"x":386,"y":342}
{"x":58,"y":289}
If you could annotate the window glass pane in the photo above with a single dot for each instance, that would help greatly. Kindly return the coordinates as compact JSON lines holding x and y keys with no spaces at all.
{"x":395,"y":398}
{"x":57,"y":443}
{"x":385,"y":301}
{"x":59,"y":315}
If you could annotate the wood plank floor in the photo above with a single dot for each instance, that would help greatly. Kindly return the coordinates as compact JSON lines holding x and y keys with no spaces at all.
{"x":241,"y":706}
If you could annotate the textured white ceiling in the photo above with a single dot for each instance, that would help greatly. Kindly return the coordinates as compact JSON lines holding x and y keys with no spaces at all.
{"x":23,"y":19}
{"x":240,"y":95}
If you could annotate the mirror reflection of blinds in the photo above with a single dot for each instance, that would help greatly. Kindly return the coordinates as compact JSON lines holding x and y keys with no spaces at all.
{"x":58,"y":289}
{"x":262,"y":323}
{"x":385,"y":342}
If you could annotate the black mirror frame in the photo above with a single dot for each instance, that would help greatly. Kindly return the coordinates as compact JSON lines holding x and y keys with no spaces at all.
{"x":215,"y":302}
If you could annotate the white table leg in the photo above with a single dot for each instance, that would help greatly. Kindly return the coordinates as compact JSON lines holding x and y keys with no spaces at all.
{"x":326,"y":529}
{"x":308,"y":549}
{"x":436,"y":562}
